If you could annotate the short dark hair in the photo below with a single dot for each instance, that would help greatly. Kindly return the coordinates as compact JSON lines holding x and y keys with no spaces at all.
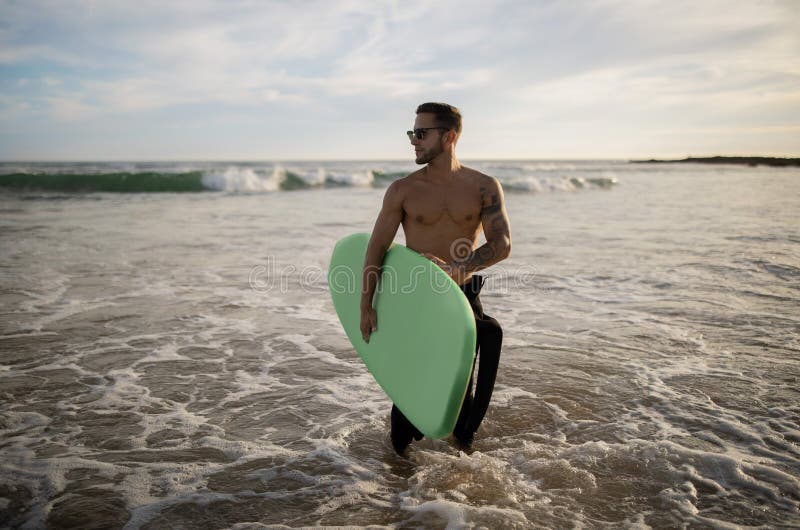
{"x":446,"y":115}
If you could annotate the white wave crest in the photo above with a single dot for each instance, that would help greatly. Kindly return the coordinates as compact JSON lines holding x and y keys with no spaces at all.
{"x":360,"y":178}
{"x":314,"y":178}
{"x":540,"y":184}
{"x":244,"y":180}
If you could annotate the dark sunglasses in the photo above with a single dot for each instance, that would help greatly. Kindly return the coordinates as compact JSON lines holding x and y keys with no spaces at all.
{"x":419,"y":134}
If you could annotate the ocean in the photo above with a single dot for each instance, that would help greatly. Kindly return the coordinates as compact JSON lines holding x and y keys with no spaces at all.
{"x":170,"y":356}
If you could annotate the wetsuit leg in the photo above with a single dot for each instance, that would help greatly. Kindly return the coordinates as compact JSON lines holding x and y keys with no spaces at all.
{"x":402,"y":431}
{"x":460,"y":431}
{"x":490,"y":339}
{"x":488,"y":344}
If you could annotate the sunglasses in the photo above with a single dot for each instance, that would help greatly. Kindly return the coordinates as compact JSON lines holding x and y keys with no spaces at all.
{"x":419,"y":134}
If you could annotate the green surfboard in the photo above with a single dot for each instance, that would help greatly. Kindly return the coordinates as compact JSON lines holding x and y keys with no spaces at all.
{"x":423,"y":350}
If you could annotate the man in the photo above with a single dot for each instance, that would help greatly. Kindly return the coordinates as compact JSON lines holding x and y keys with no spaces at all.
{"x":442,"y":208}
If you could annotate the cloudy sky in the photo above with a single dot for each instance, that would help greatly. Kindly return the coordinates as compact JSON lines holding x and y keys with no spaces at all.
{"x":340,"y":79}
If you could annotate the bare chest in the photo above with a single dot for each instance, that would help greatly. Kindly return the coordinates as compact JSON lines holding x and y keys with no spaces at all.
{"x":437,"y":206}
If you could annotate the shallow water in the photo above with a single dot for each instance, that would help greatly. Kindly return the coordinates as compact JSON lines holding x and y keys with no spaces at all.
{"x":174,"y":361}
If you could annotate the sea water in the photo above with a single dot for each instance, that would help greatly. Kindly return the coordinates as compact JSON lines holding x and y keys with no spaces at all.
{"x":170,"y":357}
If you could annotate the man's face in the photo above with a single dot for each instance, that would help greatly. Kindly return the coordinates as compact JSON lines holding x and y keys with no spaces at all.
{"x":431,"y":144}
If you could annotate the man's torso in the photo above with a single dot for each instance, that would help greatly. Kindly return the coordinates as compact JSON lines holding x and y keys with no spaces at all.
{"x":443,"y":219}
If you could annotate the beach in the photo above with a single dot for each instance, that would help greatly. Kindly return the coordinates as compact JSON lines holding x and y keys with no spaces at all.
{"x":170,"y":356}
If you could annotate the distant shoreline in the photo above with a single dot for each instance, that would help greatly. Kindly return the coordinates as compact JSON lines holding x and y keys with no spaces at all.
{"x":744,"y":160}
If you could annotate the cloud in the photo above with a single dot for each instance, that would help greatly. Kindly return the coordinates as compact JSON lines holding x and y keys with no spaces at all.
{"x":216,"y":53}
{"x":251,"y":56}
{"x":10,"y":54}
{"x":645,"y":64}
{"x":70,"y":109}
{"x":518,"y":63}
{"x":12,"y":107}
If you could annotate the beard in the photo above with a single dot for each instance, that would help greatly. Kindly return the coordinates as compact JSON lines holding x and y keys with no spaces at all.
{"x":426,"y":156}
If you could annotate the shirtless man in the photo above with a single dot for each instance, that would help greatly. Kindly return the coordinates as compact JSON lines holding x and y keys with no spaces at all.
{"x":443,"y":208}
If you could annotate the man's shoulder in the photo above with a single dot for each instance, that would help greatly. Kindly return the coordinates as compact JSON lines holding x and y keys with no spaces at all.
{"x":414,"y":175}
{"x":480,"y":180}
{"x":399,"y":188}
{"x":404,"y":182}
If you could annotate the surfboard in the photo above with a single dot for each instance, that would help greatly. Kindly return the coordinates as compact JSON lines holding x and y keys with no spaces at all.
{"x":422,"y":352}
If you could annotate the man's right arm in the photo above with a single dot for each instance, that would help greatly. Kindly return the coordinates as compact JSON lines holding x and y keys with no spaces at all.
{"x":389,"y":219}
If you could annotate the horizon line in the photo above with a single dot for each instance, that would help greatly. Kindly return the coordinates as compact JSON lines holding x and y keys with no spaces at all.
{"x":389,"y":159}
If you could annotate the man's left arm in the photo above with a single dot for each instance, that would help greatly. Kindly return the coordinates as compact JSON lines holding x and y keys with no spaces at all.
{"x":496,"y":229}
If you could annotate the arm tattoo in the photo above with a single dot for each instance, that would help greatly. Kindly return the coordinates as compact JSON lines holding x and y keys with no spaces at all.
{"x":495,"y":228}
{"x":493,"y":199}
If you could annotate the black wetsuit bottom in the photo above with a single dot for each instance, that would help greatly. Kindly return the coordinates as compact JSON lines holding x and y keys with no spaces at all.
{"x":488,"y":343}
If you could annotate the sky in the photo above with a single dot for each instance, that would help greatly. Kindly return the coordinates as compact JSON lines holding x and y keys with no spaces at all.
{"x":341,"y":79}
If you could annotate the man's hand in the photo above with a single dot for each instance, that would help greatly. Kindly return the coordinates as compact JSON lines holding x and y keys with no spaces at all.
{"x":455,"y":270}
{"x":369,"y":322}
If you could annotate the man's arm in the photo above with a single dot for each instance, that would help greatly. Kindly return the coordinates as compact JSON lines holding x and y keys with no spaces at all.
{"x":389,"y":219}
{"x":496,"y":228}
